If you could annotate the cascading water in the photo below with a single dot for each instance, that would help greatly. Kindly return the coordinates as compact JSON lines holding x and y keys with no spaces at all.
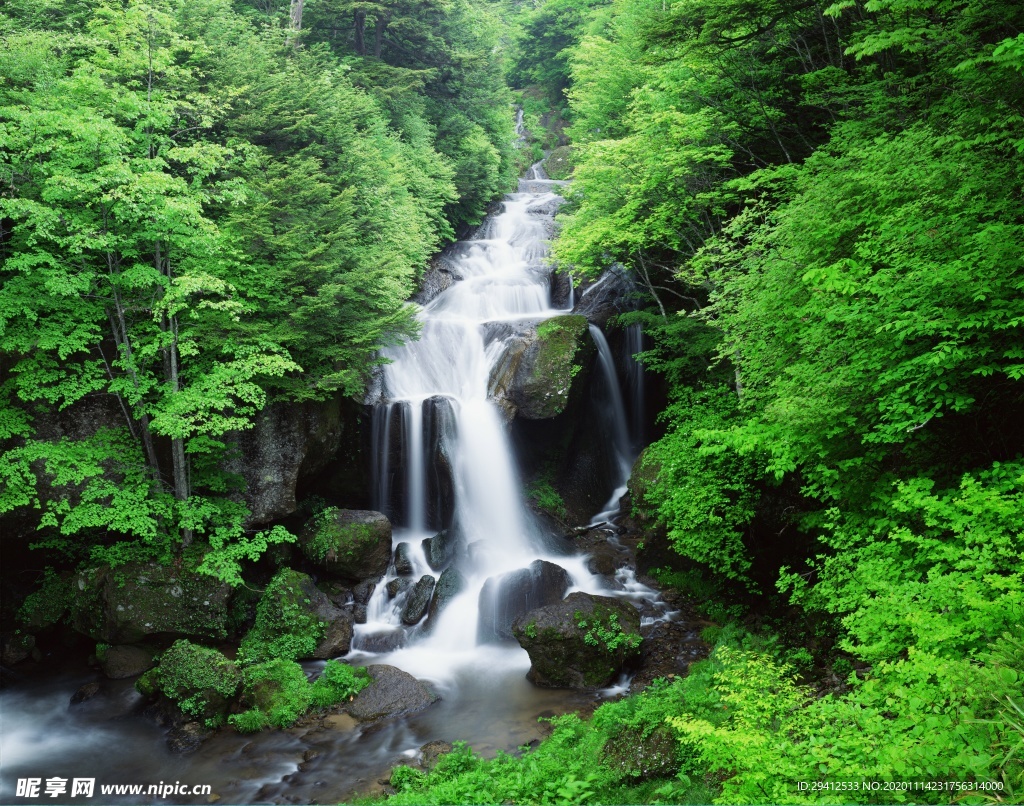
{"x":441,"y":461}
{"x":503,"y":282}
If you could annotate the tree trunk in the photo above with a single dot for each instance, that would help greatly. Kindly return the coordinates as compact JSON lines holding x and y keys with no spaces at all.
{"x":379,"y":25}
{"x":295,"y":21}
{"x":360,"y":27}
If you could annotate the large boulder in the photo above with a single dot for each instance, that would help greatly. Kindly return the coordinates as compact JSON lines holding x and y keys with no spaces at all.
{"x":581,"y":642}
{"x":450,"y":585}
{"x":611,"y":294}
{"x":441,"y":274}
{"x":440,"y":549}
{"x":296,"y":620}
{"x":439,"y":425}
{"x":287,"y":442}
{"x":120,"y":662}
{"x":504,"y":598}
{"x":551,"y":371}
{"x":199,"y":680}
{"x":418,"y":600}
{"x":391,"y":692}
{"x":125,"y":604}
{"x":353,"y":544}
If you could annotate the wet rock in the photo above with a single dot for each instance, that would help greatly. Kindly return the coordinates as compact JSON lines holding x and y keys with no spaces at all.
{"x":125,"y":604}
{"x":559,"y":163}
{"x":440,"y":549}
{"x":16,"y":647}
{"x":340,"y":722}
{"x":431,"y":753}
{"x":86,"y":692}
{"x":505,"y":598}
{"x":396,"y":586}
{"x":384,"y":641}
{"x":611,"y":294}
{"x":120,"y":662}
{"x":287,"y":607}
{"x":561,"y":289}
{"x":668,"y":650}
{"x":642,"y":754}
{"x":418,"y":600}
{"x":288,"y":441}
{"x":450,"y":585}
{"x":353,"y":544}
{"x":362,"y":592}
{"x":403,"y":562}
{"x":359,"y":614}
{"x":605,"y":560}
{"x":581,"y":642}
{"x":391,"y":692}
{"x":549,"y":373}
{"x":200,"y":680}
{"x":441,"y":274}
{"x":438,"y":433}
{"x":187,"y":738}
{"x":503,"y":374}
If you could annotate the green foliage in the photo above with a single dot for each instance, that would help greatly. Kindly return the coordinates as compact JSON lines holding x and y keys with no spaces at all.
{"x":544,"y":496}
{"x":278,"y":692}
{"x":705,"y":494}
{"x":200,"y":680}
{"x":607,"y":633}
{"x":224,"y":560}
{"x":285,"y":627}
{"x":338,"y":682}
{"x":48,"y":604}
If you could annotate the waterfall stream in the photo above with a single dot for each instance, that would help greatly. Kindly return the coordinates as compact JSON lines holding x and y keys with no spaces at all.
{"x":504,"y":282}
{"x":443,"y":470}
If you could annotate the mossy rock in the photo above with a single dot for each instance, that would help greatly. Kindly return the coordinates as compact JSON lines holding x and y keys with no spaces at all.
{"x":199,"y":680}
{"x":350,"y":543}
{"x":276,"y":692}
{"x":559,"y":164}
{"x":296,"y":620}
{"x":125,"y":604}
{"x":581,"y":642}
{"x":121,"y":662}
{"x":551,"y":371}
{"x":643,"y":753}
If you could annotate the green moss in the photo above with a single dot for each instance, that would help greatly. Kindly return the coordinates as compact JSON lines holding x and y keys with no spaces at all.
{"x":337,"y":683}
{"x":603,"y":629}
{"x":200,"y":680}
{"x":46,"y":606}
{"x":278,"y":693}
{"x":559,"y":164}
{"x":345,"y":540}
{"x":546,"y":498}
{"x":561,"y":345}
{"x":285,"y":627}
{"x":148,"y":683}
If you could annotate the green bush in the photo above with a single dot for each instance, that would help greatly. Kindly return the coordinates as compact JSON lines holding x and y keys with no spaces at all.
{"x":200,"y":680}
{"x":337,"y":683}
{"x":278,"y":693}
{"x":285,"y":627}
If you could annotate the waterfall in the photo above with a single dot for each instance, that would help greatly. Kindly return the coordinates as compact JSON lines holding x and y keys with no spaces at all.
{"x":635,"y":384}
{"x":490,"y":530}
{"x":624,"y":454}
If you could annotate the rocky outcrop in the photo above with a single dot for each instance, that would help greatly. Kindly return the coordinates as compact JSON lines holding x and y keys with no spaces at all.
{"x":552,"y":368}
{"x":288,"y":441}
{"x":125,"y":604}
{"x":441,"y":274}
{"x":581,"y":642}
{"x":121,"y":662}
{"x":440,"y":549}
{"x":611,"y":294}
{"x":403,"y":561}
{"x":450,"y":585}
{"x":353,"y":544}
{"x":392,"y":692}
{"x":418,"y":600}
{"x":504,"y":598}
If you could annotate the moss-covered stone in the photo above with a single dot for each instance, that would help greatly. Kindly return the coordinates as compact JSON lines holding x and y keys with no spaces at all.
{"x":581,"y":642}
{"x":46,"y":606}
{"x":353,"y":544}
{"x":550,"y":372}
{"x":643,"y":753}
{"x":295,"y":619}
{"x":199,"y":680}
{"x":559,"y":164}
{"x":125,"y":604}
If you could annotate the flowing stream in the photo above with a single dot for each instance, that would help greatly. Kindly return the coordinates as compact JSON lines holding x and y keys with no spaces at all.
{"x":441,"y":461}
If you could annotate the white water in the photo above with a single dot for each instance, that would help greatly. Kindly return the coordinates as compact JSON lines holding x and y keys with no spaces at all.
{"x":504,"y":281}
